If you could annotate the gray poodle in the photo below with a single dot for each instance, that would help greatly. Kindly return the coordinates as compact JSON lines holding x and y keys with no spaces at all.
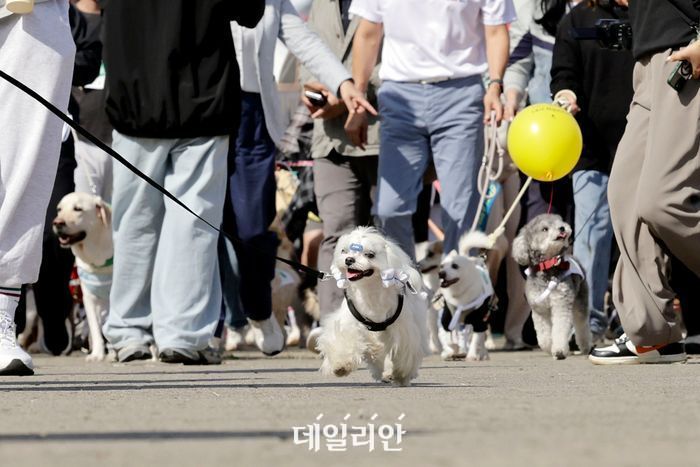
{"x":556,"y":286}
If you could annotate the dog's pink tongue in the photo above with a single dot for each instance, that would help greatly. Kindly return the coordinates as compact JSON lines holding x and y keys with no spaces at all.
{"x":353,"y":274}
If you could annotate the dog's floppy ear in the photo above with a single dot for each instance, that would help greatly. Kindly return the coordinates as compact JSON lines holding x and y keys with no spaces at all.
{"x":103,"y":211}
{"x":520,"y":250}
{"x":400,"y":261}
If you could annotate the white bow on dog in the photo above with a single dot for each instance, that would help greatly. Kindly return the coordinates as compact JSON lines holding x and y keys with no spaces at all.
{"x":340,"y":280}
{"x":390,"y":277}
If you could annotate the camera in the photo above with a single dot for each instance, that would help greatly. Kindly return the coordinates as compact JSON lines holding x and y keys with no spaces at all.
{"x":682,"y":72}
{"x":612,"y":34}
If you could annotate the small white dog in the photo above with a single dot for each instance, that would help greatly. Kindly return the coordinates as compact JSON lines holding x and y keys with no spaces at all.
{"x":556,"y":286}
{"x":383,"y":316}
{"x":84,"y":224}
{"x":467,"y":290}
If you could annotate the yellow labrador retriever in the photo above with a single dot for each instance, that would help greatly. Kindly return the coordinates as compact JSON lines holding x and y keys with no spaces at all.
{"x":84,"y":224}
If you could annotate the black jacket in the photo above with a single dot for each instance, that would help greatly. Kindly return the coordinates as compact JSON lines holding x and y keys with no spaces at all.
{"x":602,"y":81}
{"x":170,"y":65}
{"x":658,"y":25}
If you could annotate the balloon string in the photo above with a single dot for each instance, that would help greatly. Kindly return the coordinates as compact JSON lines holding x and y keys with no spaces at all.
{"x":502,"y":226}
{"x":551,"y":198}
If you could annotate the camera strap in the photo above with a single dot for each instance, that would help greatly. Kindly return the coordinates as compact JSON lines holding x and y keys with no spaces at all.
{"x":687,"y":19}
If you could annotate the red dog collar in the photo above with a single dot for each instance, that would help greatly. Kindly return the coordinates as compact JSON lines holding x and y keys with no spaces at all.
{"x":554,"y":263}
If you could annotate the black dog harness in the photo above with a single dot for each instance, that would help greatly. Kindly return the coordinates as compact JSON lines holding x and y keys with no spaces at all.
{"x":371,"y":325}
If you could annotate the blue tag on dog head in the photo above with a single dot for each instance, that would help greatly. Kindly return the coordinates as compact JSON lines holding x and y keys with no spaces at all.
{"x":356,"y":247}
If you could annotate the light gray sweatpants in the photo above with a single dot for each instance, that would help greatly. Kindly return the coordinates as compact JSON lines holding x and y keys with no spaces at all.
{"x":654,"y":196}
{"x":38,"y":50}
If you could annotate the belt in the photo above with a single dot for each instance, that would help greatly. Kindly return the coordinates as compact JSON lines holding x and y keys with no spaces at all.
{"x":440,"y":79}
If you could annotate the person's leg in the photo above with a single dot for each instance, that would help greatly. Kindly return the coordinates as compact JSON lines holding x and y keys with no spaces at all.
{"x":456,"y":128}
{"x":593,"y":241}
{"x":94,"y":170}
{"x":53,"y":299}
{"x":404,"y":155}
{"x":252,"y":191}
{"x":659,"y":212}
{"x":252,"y":195}
{"x":518,"y":308}
{"x":186,"y":291}
{"x":37,"y":49}
{"x":137,"y":217}
{"x":343,"y":203}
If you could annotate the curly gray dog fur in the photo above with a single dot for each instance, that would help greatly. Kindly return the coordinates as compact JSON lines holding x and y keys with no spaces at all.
{"x":556,"y":292}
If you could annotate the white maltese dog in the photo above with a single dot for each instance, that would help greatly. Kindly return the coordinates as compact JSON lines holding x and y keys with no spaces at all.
{"x":383,"y":317}
{"x":467,"y":290}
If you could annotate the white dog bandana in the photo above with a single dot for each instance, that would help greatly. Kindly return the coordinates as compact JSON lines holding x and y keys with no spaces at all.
{"x":574,"y":269}
{"x":486,"y":293}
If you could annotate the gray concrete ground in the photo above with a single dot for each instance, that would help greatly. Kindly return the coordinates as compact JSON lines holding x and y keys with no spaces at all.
{"x":516,"y":409}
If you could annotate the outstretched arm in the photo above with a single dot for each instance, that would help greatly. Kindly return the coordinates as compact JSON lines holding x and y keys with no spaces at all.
{"x":365,"y":51}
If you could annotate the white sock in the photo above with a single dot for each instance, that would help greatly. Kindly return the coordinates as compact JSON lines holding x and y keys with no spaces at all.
{"x":9,"y":299}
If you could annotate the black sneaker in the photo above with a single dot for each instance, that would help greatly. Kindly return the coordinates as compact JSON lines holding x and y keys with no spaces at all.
{"x":208,"y":356}
{"x":134,"y":352}
{"x":624,"y":352}
{"x":692,"y":345}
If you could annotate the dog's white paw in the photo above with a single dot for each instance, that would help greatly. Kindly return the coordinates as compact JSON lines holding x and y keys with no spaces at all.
{"x":559,"y":354}
{"x":95,"y":357}
{"x":387,"y":378}
{"x":478,"y":356}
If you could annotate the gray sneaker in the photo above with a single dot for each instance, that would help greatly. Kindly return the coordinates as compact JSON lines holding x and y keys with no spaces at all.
{"x":134,"y":352}
{"x":208,"y":356}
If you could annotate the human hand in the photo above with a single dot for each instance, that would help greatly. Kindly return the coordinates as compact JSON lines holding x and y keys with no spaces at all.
{"x":355,"y":100}
{"x":356,"y":128}
{"x":513,"y":99}
{"x":334,"y":107}
{"x":691,"y":54}
{"x":493,"y":105}
{"x":314,"y":86}
{"x":567,"y":100}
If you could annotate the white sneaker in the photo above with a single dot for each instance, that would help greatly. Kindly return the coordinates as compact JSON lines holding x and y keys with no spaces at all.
{"x":13,"y":359}
{"x":235,"y":338}
{"x":269,"y":336}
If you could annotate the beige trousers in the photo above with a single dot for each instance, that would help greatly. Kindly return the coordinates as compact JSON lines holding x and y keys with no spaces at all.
{"x":654,"y":195}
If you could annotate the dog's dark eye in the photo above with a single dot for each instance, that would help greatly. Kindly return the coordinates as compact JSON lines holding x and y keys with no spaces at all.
{"x":545,"y":229}
{"x":343,"y":251}
{"x":431,"y":254}
{"x":369,"y":254}
{"x":77,"y":208}
{"x":454,"y":266}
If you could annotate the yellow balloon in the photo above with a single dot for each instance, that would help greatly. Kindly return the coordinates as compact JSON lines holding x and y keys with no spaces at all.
{"x":545,"y":142}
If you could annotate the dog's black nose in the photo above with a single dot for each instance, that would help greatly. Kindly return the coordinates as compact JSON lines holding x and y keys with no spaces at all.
{"x":349,"y":261}
{"x":562,"y":229}
{"x":442,"y":274}
{"x":59,"y":223}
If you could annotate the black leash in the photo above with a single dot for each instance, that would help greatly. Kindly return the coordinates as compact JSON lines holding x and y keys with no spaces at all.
{"x":115,"y":155}
{"x":371,"y":325}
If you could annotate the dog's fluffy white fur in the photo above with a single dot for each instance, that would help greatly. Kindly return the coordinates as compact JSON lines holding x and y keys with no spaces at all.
{"x":84,"y":224}
{"x":461,"y":283}
{"x":345,"y":343}
{"x":566,"y":305}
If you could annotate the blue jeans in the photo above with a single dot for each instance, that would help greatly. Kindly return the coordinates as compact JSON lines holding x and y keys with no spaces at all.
{"x":249,"y":211}
{"x":593,"y":243}
{"x":442,"y":121}
{"x":166,"y":284}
